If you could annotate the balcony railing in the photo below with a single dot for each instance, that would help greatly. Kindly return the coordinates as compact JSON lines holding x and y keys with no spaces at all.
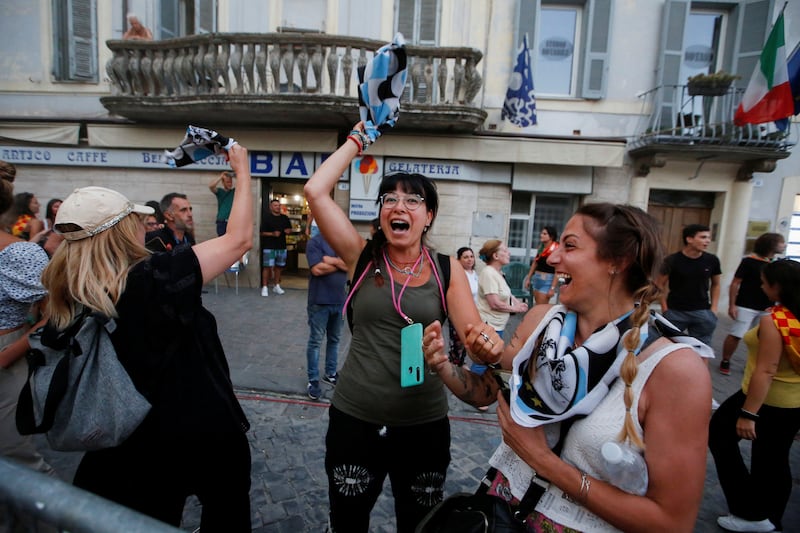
{"x":250,"y":74}
{"x":701,"y":127}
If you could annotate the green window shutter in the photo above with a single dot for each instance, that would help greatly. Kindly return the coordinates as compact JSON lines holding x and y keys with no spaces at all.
{"x":595,"y":60}
{"x":755,"y":22}
{"x":676,"y":16}
{"x":78,"y":41}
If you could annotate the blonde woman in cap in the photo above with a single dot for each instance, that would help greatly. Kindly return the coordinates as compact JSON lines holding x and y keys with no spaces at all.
{"x":169,"y":345}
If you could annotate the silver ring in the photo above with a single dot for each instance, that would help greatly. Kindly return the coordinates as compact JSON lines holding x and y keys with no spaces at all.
{"x":485,"y":337}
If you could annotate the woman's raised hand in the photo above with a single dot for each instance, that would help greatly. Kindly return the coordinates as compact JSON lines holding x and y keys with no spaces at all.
{"x":433,"y":347}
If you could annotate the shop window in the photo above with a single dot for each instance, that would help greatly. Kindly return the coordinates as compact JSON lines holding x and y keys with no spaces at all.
{"x":569,"y":42}
{"x":793,"y":242}
{"x":75,"y":40}
{"x":529,"y":214}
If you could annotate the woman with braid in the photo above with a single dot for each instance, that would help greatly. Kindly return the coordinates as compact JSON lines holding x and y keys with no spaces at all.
{"x":601,"y":367}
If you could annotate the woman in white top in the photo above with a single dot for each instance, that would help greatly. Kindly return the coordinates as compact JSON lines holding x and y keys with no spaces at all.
{"x":466,"y":257}
{"x":659,"y":403}
{"x":495,"y":302}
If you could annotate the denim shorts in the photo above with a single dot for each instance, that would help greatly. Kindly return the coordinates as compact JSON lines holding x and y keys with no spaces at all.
{"x":542,"y":281}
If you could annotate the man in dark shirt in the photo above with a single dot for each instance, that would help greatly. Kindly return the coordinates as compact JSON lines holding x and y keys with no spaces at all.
{"x":746,"y":300}
{"x":274,"y":228}
{"x":178,"y":227}
{"x":690,"y":281}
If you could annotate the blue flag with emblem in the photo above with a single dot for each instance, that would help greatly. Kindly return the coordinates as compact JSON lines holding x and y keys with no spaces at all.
{"x":793,"y":66}
{"x":520,"y":105}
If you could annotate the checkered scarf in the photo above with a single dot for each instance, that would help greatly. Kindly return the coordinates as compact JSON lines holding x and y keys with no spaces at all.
{"x":571,"y":381}
{"x":198,"y":144}
{"x":789,"y":328}
{"x":381,"y":84}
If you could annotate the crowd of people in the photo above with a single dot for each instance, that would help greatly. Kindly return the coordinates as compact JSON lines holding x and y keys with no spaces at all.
{"x":594,"y":292}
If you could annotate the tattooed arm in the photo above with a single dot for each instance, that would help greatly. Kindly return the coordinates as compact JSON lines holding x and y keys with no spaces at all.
{"x":471,"y":388}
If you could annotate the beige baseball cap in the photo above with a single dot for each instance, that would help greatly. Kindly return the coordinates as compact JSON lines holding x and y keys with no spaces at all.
{"x":91,"y":210}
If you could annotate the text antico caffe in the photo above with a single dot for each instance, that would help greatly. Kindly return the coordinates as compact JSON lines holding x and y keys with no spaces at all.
{"x":295,"y":165}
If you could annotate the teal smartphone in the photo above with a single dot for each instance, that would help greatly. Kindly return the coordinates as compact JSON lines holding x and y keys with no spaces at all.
{"x":411,"y":360}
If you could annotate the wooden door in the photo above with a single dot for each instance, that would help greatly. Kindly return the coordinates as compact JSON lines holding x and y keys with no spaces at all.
{"x":672,"y":221}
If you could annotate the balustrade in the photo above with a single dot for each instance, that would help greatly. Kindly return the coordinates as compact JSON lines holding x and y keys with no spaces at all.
{"x":220,"y":64}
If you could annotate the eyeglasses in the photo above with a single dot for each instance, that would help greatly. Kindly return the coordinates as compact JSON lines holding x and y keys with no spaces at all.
{"x":412,"y":202}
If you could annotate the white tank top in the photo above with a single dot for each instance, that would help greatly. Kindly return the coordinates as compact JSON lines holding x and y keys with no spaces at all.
{"x":587,"y":436}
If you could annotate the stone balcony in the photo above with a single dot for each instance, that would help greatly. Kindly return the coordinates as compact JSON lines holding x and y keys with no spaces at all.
{"x":287,"y":79}
{"x":676,"y":124}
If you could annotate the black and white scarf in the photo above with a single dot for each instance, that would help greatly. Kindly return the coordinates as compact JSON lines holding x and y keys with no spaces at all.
{"x":571,"y":381}
{"x":197,"y":144}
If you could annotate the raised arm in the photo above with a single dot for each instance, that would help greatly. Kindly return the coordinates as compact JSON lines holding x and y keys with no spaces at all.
{"x":217,"y":255}
{"x":212,"y":186}
{"x":334,"y":223}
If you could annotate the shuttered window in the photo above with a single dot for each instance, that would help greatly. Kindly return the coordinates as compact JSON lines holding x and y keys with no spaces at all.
{"x":569,"y":45}
{"x":745,"y":24}
{"x":418,"y":21}
{"x":75,"y":40}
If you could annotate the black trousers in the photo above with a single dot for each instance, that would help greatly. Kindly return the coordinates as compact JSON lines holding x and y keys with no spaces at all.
{"x":359,"y":456}
{"x":762,"y":491}
{"x":155,"y":478}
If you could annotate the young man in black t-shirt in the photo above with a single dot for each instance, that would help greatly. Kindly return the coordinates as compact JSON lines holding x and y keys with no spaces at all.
{"x":691,"y":283}
{"x":274,"y":228}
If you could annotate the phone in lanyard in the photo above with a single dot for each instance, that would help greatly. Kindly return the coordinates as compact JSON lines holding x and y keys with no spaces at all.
{"x":411,"y":359}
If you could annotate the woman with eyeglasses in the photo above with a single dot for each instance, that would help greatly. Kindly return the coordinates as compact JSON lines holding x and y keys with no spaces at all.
{"x":381,"y":422}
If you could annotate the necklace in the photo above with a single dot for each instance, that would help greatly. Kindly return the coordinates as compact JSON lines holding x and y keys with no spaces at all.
{"x":408,"y":271}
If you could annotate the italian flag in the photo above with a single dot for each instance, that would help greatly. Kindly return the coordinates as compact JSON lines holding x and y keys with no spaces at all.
{"x":768,"y":96}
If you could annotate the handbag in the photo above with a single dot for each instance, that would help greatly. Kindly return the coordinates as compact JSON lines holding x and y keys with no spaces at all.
{"x":482,"y":512}
{"x":77,"y":392}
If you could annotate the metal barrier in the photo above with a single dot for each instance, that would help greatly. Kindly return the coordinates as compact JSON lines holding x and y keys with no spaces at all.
{"x":32,"y":501}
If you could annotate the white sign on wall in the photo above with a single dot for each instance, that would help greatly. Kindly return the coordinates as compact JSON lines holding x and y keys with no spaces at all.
{"x":366,"y":173}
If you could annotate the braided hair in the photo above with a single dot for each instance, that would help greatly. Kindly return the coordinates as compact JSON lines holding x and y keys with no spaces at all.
{"x":410,"y":184}
{"x":629,"y":237}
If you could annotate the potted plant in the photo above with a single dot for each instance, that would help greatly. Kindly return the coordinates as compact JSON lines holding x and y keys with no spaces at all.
{"x":714,"y":84}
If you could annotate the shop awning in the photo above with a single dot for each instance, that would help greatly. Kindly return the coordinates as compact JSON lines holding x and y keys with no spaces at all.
{"x":582,"y":153}
{"x":130,"y":136}
{"x":41,"y":132}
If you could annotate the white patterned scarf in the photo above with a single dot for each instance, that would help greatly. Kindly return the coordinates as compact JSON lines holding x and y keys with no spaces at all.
{"x":571,"y":381}
{"x":197,"y":144}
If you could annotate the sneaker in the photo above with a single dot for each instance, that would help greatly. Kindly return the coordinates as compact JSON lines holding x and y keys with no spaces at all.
{"x":734,"y":523}
{"x":330,"y":379}
{"x":264,"y":291}
{"x":277,"y":289}
{"x":714,"y":407}
{"x":725,"y":367}
{"x":314,"y":391}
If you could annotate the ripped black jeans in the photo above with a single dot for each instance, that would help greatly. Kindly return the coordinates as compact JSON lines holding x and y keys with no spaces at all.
{"x":358,"y":457}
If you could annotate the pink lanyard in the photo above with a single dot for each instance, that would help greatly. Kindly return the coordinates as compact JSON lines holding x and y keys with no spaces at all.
{"x":366,"y":271}
{"x":396,"y":300}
